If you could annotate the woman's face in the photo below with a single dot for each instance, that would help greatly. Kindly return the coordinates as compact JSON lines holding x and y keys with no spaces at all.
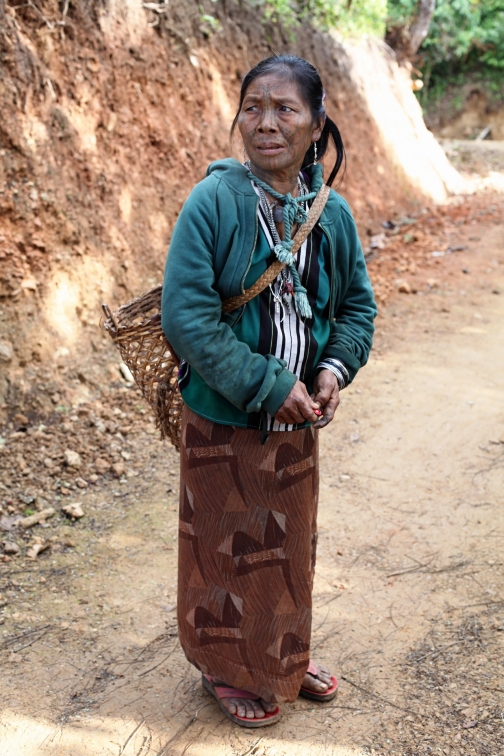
{"x":276,"y":124}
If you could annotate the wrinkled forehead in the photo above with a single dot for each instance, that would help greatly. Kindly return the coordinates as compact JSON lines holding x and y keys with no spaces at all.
{"x":281,"y":84}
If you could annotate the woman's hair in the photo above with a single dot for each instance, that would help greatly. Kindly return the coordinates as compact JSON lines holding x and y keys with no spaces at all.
{"x":308,"y":80}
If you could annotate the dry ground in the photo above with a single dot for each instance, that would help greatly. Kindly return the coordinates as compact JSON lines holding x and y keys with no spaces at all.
{"x":408,"y":601}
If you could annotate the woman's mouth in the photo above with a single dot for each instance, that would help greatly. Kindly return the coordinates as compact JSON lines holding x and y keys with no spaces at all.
{"x":270,"y":148}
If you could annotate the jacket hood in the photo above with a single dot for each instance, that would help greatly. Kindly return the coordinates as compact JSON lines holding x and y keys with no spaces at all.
{"x":235,"y":174}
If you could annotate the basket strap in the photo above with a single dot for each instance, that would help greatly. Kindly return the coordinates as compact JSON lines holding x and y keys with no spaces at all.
{"x":274,"y":269}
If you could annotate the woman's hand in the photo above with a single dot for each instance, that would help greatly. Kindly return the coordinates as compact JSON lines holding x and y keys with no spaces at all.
{"x":298,"y":407}
{"x":326,"y":396}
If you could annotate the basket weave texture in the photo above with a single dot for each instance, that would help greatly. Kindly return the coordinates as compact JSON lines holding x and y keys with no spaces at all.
{"x":135,"y":329}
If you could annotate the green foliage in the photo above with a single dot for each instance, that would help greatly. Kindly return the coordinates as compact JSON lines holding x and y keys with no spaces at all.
{"x":349,"y":17}
{"x":460,"y":30}
{"x":466,"y":38}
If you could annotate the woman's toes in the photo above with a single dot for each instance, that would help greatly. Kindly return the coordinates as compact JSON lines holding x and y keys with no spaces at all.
{"x":258,"y":709}
{"x":230,"y":705}
{"x":250,"y":709}
{"x":241,"y":710}
{"x":268,"y":707}
{"x":312,"y":683}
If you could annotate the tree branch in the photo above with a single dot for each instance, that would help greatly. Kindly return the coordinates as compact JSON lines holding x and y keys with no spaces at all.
{"x":420,"y":28}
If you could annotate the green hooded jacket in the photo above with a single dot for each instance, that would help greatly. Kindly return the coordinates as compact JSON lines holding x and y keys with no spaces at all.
{"x":210,"y":254}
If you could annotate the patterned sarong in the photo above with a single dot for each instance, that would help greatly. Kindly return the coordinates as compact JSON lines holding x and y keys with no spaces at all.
{"x":247,"y":544}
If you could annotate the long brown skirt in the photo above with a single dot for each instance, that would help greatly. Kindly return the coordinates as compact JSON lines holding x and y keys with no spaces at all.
{"x":247,"y":544}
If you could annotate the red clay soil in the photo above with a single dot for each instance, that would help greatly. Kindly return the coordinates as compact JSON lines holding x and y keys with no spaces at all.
{"x":101,"y":141}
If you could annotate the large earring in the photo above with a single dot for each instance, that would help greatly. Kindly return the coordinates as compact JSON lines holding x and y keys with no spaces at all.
{"x":314,"y":153}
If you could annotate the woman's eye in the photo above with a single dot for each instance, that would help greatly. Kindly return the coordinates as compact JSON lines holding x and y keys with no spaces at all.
{"x":286,"y":109}
{"x":251,"y":108}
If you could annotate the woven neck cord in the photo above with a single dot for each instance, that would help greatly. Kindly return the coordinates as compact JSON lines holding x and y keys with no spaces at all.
{"x":293,"y":212}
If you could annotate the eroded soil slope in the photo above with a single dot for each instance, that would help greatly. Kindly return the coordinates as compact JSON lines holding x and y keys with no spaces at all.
{"x":110,"y":115}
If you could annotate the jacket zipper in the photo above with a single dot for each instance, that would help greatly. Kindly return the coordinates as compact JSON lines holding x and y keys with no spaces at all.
{"x":253,"y":250}
{"x":242,"y":285}
{"x":333,"y":269}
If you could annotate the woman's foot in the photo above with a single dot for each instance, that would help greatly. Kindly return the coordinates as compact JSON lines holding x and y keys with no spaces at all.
{"x":236,"y":704}
{"x":319,"y":684}
{"x":249,"y":708}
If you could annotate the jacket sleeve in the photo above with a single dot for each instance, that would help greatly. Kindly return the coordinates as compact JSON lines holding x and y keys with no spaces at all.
{"x":191,"y":314}
{"x":352,"y":329}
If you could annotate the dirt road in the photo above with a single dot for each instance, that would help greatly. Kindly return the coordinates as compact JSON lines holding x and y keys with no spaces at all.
{"x":408,"y":601}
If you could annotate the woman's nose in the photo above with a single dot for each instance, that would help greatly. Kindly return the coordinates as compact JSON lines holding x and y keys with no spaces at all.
{"x":268,"y":121}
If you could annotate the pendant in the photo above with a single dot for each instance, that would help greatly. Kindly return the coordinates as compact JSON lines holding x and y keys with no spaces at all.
{"x":278,"y":215}
{"x":286,"y":294}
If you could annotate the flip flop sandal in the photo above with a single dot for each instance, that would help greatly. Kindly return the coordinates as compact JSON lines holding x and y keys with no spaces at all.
{"x":221,"y":691}
{"x":320,"y":697}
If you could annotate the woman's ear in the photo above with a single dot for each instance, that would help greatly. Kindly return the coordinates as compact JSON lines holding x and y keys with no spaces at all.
{"x":318,"y":129}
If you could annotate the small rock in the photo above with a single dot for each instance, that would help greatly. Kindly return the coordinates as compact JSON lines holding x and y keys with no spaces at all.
{"x":37,"y":548}
{"x":74,"y":511}
{"x":102,"y":466}
{"x":432,"y":283}
{"x":404,"y":287}
{"x":468,"y":725}
{"x":81,"y":483}
{"x":10,"y":547}
{"x":6,"y":351}
{"x":34,"y":519}
{"x":118,"y":469}
{"x":21,"y":419}
{"x":378,"y":241}
{"x":29,"y":284}
{"x":61,"y":352}
{"x":7,"y":524}
{"x":48,"y":462}
{"x":126,"y":373}
{"x":93,"y":478}
{"x":72,"y":459}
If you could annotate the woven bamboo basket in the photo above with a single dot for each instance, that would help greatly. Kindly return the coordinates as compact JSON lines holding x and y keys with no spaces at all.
{"x":135,"y":329}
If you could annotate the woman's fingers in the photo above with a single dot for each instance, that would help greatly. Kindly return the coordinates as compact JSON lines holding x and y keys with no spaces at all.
{"x":290,"y":414}
{"x":297,"y":407}
{"x":328,"y":410}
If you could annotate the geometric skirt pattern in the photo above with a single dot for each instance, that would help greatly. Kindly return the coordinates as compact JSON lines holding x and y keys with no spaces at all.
{"x":247,"y":544}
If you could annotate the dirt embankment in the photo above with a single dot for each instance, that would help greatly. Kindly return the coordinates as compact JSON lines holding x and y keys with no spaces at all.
{"x":110,"y":114}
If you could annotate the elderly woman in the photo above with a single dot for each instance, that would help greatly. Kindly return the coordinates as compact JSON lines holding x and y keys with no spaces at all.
{"x":258,"y":382}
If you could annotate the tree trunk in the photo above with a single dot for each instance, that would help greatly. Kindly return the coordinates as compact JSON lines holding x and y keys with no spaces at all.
{"x":420,"y":28}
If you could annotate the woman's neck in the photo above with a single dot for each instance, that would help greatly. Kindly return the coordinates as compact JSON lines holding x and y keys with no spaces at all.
{"x":283,"y":181}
